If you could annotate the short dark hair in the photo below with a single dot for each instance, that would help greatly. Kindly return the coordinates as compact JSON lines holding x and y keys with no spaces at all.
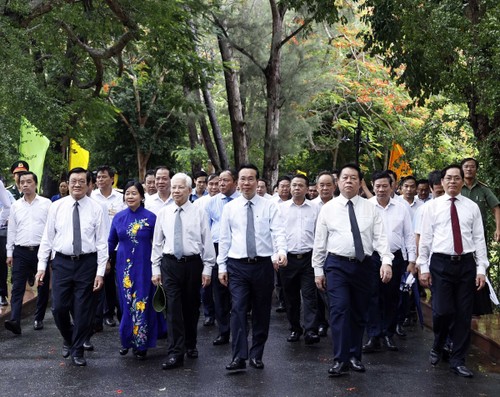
{"x":302,"y":176}
{"x":35,"y":178}
{"x":283,"y":178}
{"x":232,"y":172}
{"x":91,"y":176}
{"x":381,"y":175}
{"x":200,"y":174}
{"x":139,"y":188}
{"x":251,"y":167}
{"x":354,"y":167}
{"x":106,"y":168}
{"x":469,"y":159}
{"x":409,"y":178}
{"x":435,"y":178}
{"x":391,"y":172}
{"x":80,"y":170}
{"x":149,"y":172}
{"x":325,"y":173}
{"x":212,"y":176}
{"x":262,"y":180}
{"x":451,"y":166}
{"x":422,"y":182}
{"x":163,"y":167}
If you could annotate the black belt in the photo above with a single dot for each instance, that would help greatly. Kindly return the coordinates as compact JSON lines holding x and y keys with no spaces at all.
{"x":251,"y":260}
{"x":455,"y":258}
{"x":183,"y":259}
{"x":27,"y":247}
{"x":299,"y":256}
{"x":75,"y":257}
{"x":345,"y":258}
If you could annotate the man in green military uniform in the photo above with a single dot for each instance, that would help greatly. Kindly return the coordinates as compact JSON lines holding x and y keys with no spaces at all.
{"x":16,"y":168}
{"x":484,"y":198}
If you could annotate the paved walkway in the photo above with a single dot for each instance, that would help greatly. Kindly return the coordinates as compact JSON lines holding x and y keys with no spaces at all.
{"x":32,"y":365}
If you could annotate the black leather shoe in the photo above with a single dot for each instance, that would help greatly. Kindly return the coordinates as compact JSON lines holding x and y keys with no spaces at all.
{"x":462,"y":370}
{"x":400,"y":331}
{"x":38,"y":325}
{"x":209,"y":321}
{"x":192,"y":353}
{"x":221,"y":340}
{"x":110,"y":322}
{"x":236,"y":364}
{"x":87,"y":345}
{"x":373,"y":345}
{"x":294,"y":337}
{"x":173,"y":362}
{"x":98,"y":328}
{"x":322,"y":330}
{"x":281,"y":308}
{"x":13,"y":326}
{"x":339,"y":369}
{"x":79,"y":361}
{"x":65,"y":350}
{"x":356,"y":365}
{"x":140,"y":354}
{"x":311,"y":338}
{"x":256,"y":363}
{"x":4,"y":301}
{"x":434,"y":357}
{"x":123,"y":351}
{"x":31,"y":280}
{"x":389,"y":343}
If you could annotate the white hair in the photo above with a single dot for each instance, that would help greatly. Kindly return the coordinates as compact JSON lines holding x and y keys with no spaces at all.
{"x":185,"y":177}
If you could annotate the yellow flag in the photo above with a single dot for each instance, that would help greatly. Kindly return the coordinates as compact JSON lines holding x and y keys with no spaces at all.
{"x":33,"y":146}
{"x":78,"y":156}
{"x":397,"y":163}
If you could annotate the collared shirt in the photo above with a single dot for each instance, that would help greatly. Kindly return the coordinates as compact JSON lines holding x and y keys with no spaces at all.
{"x":5,"y":205}
{"x":333,"y":232}
{"x":398,"y":227}
{"x":482,"y":196}
{"x":27,"y":222}
{"x":437,"y":235}
{"x":113,"y":203}
{"x":414,"y":206}
{"x":268,"y":224}
{"x":319,"y":202}
{"x":194,"y":196}
{"x":202,"y":202}
{"x":277,"y":199}
{"x":300,"y":222}
{"x":58,"y":232}
{"x":154,"y":203}
{"x":267,"y":196}
{"x":195,"y":232}
{"x":214,"y":211}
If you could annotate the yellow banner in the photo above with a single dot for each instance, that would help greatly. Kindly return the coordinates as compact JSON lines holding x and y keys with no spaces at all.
{"x":33,"y":146}
{"x":397,"y":162}
{"x":78,"y":156}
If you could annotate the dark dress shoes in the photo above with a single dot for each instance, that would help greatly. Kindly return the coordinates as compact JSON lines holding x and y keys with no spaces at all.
{"x":192,"y":353}
{"x":236,"y":364}
{"x":110,"y":322}
{"x":373,"y":345}
{"x":3,"y":301}
{"x":31,"y":280}
{"x":173,"y":362}
{"x":87,"y":345}
{"x":400,"y":331}
{"x":13,"y":326}
{"x":281,"y":308}
{"x":209,"y":321}
{"x":462,"y":370}
{"x":356,"y":365}
{"x":256,"y":363}
{"x":311,"y":338}
{"x":123,"y":351}
{"x":140,"y":354}
{"x":339,"y":369}
{"x":221,"y":340}
{"x":322,"y":330}
{"x":434,"y":357}
{"x":79,"y":361}
{"x":294,"y":337}
{"x":389,"y":343}
{"x":65,"y":350}
{"x":38,"y":325}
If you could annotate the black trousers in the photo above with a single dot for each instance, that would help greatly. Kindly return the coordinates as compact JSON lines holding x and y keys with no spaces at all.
{"x":297,"y":277}
{"x":453,"y":285}
{"x":222,"y":301}
{"x":72,"y":295}
{"x":3,"y":265}
{"x":251,"y":284}
{"x":384,"y":300}
{"x":348,"y":287}
{"x":182,"y":281}
{"x":25,"y":265}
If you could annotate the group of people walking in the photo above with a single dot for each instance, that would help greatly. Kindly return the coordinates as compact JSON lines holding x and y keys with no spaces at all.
{"x":327,"y":245}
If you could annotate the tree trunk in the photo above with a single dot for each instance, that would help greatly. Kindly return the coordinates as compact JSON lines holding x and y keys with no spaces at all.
{"x":193,"y":136}
{"x":235,"y":109}
{"x":205,"y":134}
{"x":142,"y":162}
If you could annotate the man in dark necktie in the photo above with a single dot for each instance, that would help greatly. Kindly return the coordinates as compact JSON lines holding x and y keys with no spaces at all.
{"x":76,"y":233}
{"x":348,"y":229}
{"x":452,"y":236}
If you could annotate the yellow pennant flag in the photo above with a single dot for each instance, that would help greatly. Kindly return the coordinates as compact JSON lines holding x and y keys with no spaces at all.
{"x":78,"y":156}
{"x":33,"y":146}
{"x":397,"y":162}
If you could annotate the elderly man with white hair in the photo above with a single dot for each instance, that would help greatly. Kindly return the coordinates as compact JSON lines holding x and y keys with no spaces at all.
{"x":182,"y":259}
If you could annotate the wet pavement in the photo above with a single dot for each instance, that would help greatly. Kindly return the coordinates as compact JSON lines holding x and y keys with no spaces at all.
{"x":32,"y":365}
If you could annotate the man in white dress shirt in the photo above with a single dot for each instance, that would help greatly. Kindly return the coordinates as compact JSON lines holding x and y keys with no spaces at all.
{"x":76,"y":233}
{"x":27,"y":219}
{"x":249,"y":227}
{"x":452,"y":236}
{"x":161,"y":198}
{"x":348,"y":230}
{"x":182,"y":259}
